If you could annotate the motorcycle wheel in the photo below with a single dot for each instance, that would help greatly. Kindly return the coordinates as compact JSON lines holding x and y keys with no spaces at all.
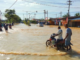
{"x":69,"y":48}
{"x":48,"y":43}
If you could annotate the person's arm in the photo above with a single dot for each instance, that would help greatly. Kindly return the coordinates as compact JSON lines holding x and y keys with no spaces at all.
{"x":56,"y":34}
{"x":66,"y":36}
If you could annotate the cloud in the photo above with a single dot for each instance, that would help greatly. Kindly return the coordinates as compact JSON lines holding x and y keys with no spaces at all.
{"x":32,"y":4}
{"x":20,"y":5}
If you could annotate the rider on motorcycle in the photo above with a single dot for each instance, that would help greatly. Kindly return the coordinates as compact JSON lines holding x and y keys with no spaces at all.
{"x":59,"y":34}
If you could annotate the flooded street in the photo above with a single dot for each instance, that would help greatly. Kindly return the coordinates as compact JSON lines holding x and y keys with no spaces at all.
{"x":28,"y":43}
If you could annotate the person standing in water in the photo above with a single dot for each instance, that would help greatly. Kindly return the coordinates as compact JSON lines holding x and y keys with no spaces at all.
{"x":6,"y":27}
{"x":67,"y":38}
{"x":0,"y":27}
{"x":10,"y":26}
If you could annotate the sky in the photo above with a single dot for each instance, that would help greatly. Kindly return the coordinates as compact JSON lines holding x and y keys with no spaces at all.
{"x":24,"y":7}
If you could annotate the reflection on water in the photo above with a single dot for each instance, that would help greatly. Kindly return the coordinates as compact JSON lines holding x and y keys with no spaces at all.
{"x":28,"y":43}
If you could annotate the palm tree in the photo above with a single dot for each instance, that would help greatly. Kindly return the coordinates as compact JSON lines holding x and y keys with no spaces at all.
{"x":77,"y":14}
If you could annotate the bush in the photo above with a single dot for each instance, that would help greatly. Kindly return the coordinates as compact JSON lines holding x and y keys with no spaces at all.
{"x":27,"y":22}
{"x":34,"y":22}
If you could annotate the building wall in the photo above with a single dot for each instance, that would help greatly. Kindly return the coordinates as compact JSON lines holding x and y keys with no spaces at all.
{"x":73,"y":24}
{"x":77,"y":24}
{"x":70,"y":23}
{"x":51,"y":22}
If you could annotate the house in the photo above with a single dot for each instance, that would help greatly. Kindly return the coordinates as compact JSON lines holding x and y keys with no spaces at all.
{"x":54,"y":21}
{"x":73,"y":21}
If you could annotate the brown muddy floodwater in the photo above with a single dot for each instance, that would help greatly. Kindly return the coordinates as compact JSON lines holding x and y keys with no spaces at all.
{"x":28,"y":43}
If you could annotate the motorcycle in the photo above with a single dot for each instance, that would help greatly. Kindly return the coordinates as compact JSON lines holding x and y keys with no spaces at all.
{"x":59,"y":46}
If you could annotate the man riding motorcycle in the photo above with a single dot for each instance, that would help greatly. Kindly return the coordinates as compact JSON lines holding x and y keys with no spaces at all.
{"x":59,"y":34}
{"x":60,"y":38}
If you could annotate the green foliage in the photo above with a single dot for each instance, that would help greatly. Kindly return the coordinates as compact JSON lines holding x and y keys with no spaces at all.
{"x":66,"y":15}
{"x":10,"y":12}
{"x":33,"y":21}
{"x":26,"y":21}
{"x":11,"y":16}
{"x":77,"y":14}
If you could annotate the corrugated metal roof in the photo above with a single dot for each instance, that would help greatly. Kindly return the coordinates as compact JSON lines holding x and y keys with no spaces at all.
{"x":75,"y":19}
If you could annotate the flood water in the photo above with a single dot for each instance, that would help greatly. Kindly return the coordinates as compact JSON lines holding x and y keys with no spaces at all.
{"x":28,"y":43}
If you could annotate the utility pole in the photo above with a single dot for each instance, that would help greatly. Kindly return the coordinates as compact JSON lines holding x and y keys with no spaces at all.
{"x":69,"y":10}
{"x":0,"y":16}
{"x":23,"y":16}
{"x":29,"y":16}
{"x":56,"y":15}
{"x":34,"y":16}
{"x":60,"y":18}
{"x":44,"y":14}
{"x":26,"y":15}
{"x":60,"y":14}
{"x":47,"y":15}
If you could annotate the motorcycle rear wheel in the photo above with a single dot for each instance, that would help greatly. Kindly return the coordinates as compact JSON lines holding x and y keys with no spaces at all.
{"x":67,"y":48}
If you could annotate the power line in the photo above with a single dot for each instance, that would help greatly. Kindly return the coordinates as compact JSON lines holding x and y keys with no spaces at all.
{"x":49,"y":2}
{"x":45,"y":4}
{"x":12,"y":4}
{"x":0,"y":15}
{"x":75,"y":0}
{"x":50,"y":5}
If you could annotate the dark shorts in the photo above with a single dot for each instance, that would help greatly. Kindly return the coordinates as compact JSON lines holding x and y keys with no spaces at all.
{"x":6,"y":28}
{"x":0,"y":29}
{"x":59,"y":40}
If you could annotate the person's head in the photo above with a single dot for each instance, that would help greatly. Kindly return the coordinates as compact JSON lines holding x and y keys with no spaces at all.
{"x":59,"y":27}
{"x":66,"y":25}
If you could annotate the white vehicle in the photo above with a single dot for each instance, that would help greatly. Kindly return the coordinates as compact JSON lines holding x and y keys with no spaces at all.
{"x":41,"y":25}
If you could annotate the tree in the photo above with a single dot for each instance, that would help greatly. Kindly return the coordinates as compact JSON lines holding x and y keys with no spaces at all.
{"x":10,"y":12}
{"x":77,"y":14}
{"x":26,"y":19}
{"x":66,"y":15}
{"x":11,"y":16}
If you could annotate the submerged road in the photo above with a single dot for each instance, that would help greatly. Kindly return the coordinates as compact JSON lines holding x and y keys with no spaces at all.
{"x":28,"y":43}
